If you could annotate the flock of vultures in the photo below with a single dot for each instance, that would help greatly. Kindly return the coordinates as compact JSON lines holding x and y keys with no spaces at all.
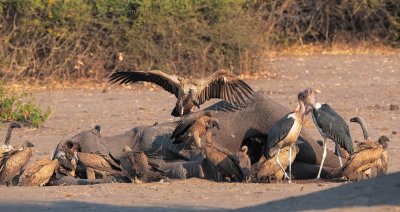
{"x":246,"y":137}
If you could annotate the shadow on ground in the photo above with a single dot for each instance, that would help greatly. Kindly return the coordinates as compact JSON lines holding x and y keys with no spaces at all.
{"x":87,"y":206}
{"x":380,"y":191}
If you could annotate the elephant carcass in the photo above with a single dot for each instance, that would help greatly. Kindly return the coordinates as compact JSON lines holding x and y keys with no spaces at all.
{"x":246,"y":126}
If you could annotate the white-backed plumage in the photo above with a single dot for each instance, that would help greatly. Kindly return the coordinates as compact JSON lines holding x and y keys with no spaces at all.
{"x":220,"y":85}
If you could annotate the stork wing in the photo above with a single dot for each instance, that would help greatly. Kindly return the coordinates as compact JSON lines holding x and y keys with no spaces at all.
{"x":334,"y":126}
{"x":276,"y":134}
{"x":169,"y":83}
{"x":224,"y":85}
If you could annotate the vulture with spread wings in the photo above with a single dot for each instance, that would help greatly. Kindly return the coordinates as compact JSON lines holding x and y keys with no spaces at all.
{"x":221,"y":85}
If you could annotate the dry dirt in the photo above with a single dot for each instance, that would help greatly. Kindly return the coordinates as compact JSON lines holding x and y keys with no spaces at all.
{"x":362,"y":85}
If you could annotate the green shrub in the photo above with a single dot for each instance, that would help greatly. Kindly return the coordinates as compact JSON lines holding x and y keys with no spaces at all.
{"x":74,"y":39}
{"x":19,"y":107}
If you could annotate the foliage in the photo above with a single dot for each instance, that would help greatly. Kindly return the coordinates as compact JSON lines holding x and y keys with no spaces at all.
{"x":73,"y":39}
{"x":20,"y":107}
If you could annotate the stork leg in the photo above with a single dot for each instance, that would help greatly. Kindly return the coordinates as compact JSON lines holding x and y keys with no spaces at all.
{"x":277,"y":160}
{"x":290,"y":164}
{"x":338,"y":153}
{"x":322,"y":162}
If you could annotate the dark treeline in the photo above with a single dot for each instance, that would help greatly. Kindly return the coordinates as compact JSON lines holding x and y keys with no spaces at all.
{"x":66,"y":40}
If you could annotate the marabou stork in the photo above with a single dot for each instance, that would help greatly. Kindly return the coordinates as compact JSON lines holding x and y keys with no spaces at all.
{"x":330,"y":125}
{"x":221,"y":85}
{"x":285,"y":133}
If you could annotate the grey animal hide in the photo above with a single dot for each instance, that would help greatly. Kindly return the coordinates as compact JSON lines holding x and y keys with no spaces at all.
{"x":247,"y":126}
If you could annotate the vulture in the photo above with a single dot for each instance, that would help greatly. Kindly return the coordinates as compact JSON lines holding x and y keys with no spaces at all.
{"x":14,"y":163}
{"x":135,"y":166}
{"x":244,"y":163}
{"x":221,"y":84}
{"x":268,"y":169}
{"x":285,"y":133}
{"x":227,"y":164}
{"x":6,"y":146}
{"x":370,"y":157}
{"x":97,"y":163}
{"x":367,"y":143}
{"x":39,"y":173}
{"x":192,"y":127}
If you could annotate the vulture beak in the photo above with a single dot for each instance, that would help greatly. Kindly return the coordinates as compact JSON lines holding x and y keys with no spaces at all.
{"x":213,"y":123}
{"x":196,"y":103}
{"x":217,"y":125}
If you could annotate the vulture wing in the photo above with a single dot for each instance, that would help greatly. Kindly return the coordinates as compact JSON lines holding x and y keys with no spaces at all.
{"x":224,"y":85}
{"x":185,"y":123}
{"x":169,"y":83}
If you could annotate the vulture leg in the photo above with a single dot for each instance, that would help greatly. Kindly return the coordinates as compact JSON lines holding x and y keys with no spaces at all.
{"x":90,"y":173}
{"x":277,"y":160}
{"x":290,"y":164}
{"x":338,"y":153}
{"x":322,"y":161}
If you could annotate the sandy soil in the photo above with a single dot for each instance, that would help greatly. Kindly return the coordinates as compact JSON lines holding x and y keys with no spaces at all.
{"x":362,"y":85}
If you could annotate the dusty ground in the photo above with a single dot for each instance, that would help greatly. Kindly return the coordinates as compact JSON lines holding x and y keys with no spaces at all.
{"x":363,"y":85}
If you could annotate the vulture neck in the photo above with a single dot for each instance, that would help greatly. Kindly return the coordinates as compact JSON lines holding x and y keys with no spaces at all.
{"x":8,"y":137}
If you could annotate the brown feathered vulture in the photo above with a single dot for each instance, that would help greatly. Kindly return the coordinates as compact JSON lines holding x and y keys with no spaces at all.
{"x":6,"y":146}
{"x":227,"y":164}
{"x":97,"y":163}
{"x":369,"y":156}
{"x":361,"y":161}
{"x":135,"y":166}
{"x":244,"y":163}
{"x":221,"y":84}
{"x":192,"y":127}
{"x":13,"y":165}
{"x":269,"y":169}
{"x":39,"y":173}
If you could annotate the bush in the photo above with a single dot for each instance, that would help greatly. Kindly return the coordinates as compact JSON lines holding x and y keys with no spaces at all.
{"x":69,"y":40}
{"x":19,"y":107}
{"x":294,"y":22}
{"x":73,"y":40}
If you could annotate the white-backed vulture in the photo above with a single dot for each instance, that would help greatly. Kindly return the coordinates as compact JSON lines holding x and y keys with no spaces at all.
{"x":97,"y":163}
{"x":13,"y":165}
{"x":192,"y":127}
{"x":221,"y":84}
{"x":39,"y":173}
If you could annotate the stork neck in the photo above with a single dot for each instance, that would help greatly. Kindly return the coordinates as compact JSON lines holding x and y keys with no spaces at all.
{"x":301,"y":109}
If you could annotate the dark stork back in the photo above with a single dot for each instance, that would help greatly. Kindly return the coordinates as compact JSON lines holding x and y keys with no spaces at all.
{"x":276,"y":134}
{"x":330,"y":124}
